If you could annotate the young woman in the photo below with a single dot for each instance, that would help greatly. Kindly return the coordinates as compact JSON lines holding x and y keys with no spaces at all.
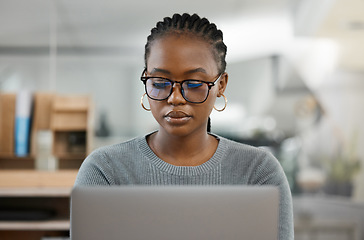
{"x":184,"y":74}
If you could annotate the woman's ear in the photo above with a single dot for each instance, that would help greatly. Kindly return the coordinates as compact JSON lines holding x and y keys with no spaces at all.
{"x":222,"y":84}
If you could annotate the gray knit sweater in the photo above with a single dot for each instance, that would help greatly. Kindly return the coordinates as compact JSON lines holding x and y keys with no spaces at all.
{"x":133,"y":162}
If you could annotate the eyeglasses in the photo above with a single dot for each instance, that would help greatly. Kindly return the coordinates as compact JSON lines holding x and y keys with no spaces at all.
{"x":193,"y":91}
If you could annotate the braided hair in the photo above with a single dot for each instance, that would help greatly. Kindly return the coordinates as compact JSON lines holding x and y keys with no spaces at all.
{"x":195,"y":26}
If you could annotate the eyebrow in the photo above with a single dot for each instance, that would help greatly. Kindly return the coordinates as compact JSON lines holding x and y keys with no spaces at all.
{"x":196,"y":70}
{"x":159,"y":70}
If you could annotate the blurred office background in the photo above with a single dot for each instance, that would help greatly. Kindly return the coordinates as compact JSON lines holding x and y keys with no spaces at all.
{"x":296,"y":76}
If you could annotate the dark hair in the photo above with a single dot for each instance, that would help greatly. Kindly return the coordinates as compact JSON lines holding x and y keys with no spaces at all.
{"x":194,"y":25}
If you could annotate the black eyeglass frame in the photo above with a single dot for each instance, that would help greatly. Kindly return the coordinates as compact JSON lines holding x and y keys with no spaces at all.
{"x":209,"y":85}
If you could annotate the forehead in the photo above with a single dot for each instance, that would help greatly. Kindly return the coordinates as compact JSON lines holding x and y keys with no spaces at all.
{"x":181,"y":53}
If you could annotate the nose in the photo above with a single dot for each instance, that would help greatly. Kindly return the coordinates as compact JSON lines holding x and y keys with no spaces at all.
{"x":176,"y":97}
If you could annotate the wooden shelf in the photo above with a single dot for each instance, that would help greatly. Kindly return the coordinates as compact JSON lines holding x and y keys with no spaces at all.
{"x":49,"y":225}
{"x":36,"y":203}
{"x":71,"y":156}
{"x":13,"y":162}
{"x":8,"y":156}
{"x":67,"y":161}
{"x":45,"y":191}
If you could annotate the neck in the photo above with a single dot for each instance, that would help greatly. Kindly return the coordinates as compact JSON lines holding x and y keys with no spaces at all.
{"x":191,"y":150}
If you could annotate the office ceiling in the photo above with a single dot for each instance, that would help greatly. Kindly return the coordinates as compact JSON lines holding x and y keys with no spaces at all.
{"x":114,"y":27}
{"x":102,"y":23}
{"x":345,"y":24}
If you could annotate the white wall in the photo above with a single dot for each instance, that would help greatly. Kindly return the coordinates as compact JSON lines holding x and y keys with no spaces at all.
{"x":251,"y":84}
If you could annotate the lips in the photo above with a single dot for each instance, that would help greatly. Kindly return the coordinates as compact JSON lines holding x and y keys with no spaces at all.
{"x":177,"y":114}
{"x":177,"y":117}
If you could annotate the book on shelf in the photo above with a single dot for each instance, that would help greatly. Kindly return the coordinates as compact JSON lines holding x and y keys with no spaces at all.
{"x":23,"y":117}
{"x":42,"y":106}
{"x":7,"y":122}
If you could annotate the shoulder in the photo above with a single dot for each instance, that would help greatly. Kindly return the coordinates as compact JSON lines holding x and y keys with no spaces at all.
{"x":100,"y":167}
{"x":244,"y":151}
{"x":127,"y":145}
{"x":114,"y":152}
{"x":256,"y":163}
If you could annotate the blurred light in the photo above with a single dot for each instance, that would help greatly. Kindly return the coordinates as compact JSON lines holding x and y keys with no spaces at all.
{"x":269,"y":124}
{"x":231,"y":118}
{"x":252,"y":37}
{"x":314,"y":59}
{"x":311,"y":179}
{"x":11,"y":84}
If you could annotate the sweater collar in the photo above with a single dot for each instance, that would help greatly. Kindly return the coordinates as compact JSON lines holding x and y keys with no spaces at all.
{"x":211,"y":164}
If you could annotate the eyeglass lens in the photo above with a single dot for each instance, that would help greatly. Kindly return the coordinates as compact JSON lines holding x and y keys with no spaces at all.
{"x":192,"y":90}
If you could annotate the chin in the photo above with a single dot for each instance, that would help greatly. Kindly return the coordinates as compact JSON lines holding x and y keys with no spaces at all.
{"x":181,"y":131}
{"x":177,"y":131}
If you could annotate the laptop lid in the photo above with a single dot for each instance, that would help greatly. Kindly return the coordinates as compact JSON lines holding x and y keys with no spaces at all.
{"x":174,"y":212}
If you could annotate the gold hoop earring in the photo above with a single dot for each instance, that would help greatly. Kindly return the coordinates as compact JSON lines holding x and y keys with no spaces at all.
{"x":141,"y":102}
{"x":222,"y":109}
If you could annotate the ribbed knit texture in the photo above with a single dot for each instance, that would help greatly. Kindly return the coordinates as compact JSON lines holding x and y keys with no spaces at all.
{"x":133,"y":162}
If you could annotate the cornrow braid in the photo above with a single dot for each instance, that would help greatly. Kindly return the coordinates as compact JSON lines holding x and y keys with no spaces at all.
{"x":191,"y":24}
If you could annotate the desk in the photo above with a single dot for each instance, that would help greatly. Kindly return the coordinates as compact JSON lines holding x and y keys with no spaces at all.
{"x":326,"y":229}
{"x":328,"y":217}
{"x":41,"y":190}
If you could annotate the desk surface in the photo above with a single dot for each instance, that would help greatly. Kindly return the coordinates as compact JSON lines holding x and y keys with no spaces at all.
{"x":36,"y":192}
{"x":32,"y":179}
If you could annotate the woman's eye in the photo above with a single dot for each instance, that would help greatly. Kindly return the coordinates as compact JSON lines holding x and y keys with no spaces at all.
{"x":193,"y":84}
{"x":161,"y":84}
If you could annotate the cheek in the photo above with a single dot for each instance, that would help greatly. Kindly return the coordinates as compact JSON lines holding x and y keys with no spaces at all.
{"x":158,"y":110}
{"x":207,"y":107}
{"x":204,"y":110}
{"x":212,"y":97}
{"x":155,"y":109}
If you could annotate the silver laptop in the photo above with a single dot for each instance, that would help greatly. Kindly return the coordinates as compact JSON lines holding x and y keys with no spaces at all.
{"x":174,"y":213}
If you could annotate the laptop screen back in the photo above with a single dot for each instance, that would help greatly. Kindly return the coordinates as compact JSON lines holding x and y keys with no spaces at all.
{"x":174,"y":212}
